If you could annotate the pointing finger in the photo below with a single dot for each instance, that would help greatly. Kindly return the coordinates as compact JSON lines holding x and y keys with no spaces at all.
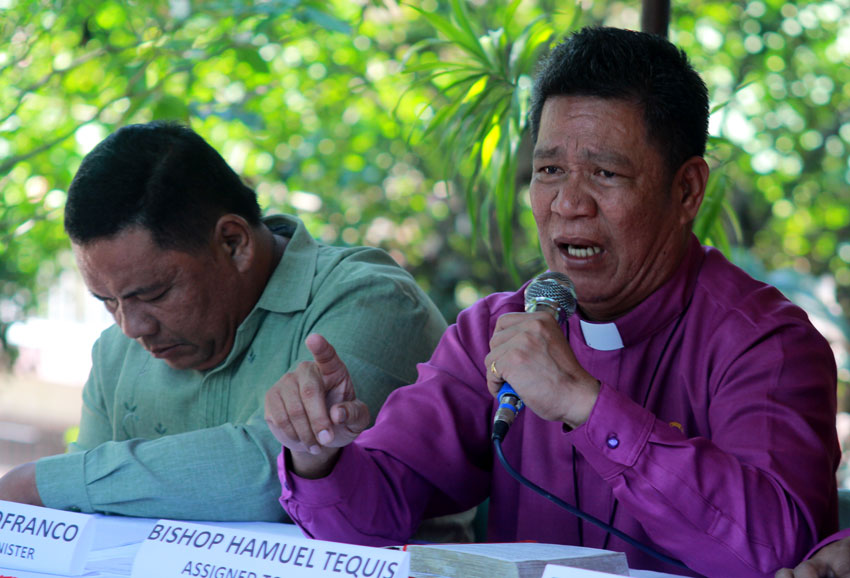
{"x":331,"y":366}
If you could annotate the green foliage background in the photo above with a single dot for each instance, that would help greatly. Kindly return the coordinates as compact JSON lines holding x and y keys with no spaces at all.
{"x":402,"y":125}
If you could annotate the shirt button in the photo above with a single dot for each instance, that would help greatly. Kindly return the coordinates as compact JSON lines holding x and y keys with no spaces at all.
{"x":612,"y":442}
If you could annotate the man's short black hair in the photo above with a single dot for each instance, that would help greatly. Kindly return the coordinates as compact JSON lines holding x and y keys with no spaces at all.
{"x":161,"y":176}
{"x":637,"y":67}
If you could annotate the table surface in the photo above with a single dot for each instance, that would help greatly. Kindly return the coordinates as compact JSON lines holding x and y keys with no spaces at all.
{"x":117,"y":539}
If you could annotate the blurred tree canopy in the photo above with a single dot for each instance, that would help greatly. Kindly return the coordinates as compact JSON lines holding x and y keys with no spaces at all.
{"x":402,"y":125}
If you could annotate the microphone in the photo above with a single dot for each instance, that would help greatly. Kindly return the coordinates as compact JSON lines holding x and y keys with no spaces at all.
{"x":554,"y":293}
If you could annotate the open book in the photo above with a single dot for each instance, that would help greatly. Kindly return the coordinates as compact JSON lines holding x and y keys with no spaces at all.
{"x":509,"y":560}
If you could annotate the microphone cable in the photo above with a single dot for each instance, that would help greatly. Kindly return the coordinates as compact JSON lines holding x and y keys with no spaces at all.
{"x":497,"y":443}
{"x":554,"y":292}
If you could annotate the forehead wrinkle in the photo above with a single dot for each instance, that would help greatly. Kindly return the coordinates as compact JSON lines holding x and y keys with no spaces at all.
{"x":546,"y":153}
{"x":607,"y":156}
{"x":587,"y":154}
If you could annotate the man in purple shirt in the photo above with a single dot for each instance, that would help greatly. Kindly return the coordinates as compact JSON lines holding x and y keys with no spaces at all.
{"x":685,"y":404}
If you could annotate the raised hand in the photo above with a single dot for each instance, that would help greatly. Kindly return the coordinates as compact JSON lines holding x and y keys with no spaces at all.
{"x":314,"y":410}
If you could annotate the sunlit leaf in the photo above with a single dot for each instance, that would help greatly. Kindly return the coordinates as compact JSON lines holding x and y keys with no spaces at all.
{"x":356,"y":115}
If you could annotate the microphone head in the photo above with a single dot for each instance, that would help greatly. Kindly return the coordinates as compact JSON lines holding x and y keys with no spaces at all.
{"x":553,"y":291}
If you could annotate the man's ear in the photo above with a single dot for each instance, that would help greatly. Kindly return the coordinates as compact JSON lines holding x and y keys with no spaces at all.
{"x":689,"y":187}
{"x":235,"y":237}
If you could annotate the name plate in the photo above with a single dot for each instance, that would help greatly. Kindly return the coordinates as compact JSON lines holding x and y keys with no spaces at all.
{"x":44,"y":540}
{"x":555,"y":571}
{"x":187,"y":550}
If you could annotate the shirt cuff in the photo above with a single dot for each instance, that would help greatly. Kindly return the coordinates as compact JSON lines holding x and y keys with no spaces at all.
{"x":615,"y":433}
{"x":329,"y":491}
{"x":841,"y":535}
{"x":61,"y":482}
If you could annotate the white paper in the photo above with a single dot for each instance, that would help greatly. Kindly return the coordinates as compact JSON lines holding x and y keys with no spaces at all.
{"x":652,"y":574}
{"x":555,"y":571}
{"x":115,"y":531}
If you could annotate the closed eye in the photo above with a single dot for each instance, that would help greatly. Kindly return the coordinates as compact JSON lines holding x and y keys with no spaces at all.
{"x":156,"y":297}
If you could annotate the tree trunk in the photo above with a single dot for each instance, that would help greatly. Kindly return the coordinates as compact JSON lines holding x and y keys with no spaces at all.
{"x":655,"y":17}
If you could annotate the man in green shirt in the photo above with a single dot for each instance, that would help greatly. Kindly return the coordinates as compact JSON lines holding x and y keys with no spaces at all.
{"x":212,"y":305}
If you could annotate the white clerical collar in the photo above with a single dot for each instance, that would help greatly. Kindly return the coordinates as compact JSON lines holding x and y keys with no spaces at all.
{"x":601,"y":336}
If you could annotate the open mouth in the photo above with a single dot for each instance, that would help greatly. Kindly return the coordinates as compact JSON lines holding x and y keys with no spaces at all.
{"x":581,"y":251}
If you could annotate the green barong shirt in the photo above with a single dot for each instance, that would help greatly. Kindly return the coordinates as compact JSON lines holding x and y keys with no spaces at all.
{"x":164,"y":443}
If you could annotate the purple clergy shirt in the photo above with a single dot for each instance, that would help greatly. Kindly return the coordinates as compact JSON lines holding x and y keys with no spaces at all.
{"x":712,"y":440}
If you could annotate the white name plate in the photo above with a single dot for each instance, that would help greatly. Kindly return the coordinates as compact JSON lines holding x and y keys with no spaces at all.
{"x":555,"y":571}
{"x":44,"y":540}
{"x":188,"y":550}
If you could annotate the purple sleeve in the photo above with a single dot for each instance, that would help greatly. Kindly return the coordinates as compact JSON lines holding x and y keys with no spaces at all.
{"x":751,"y":499}
{"x":428,"y":453}
{"x":325,"y":509}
